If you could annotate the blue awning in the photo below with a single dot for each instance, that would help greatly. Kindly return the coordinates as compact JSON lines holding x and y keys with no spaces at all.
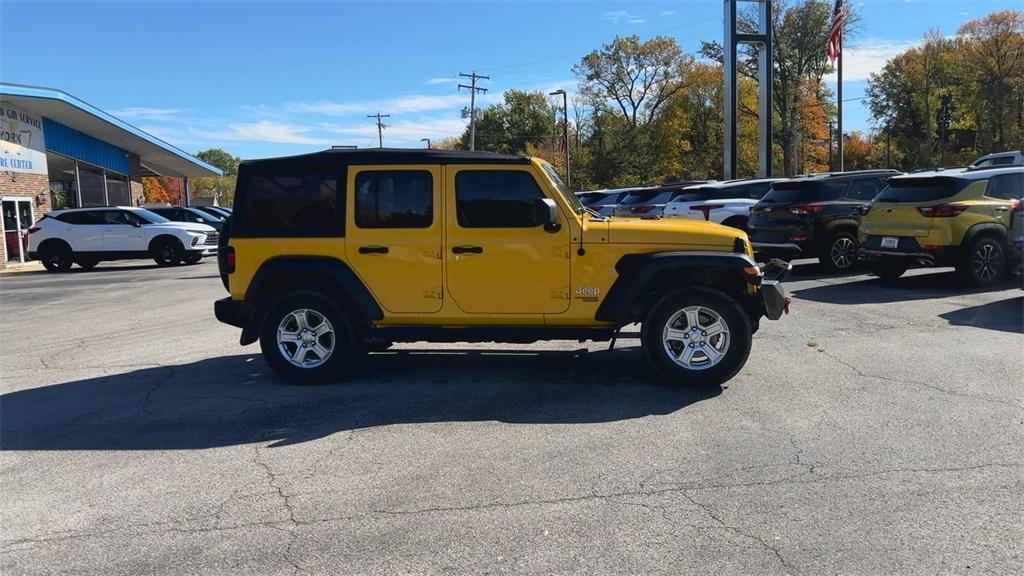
{"x":77,"y":115}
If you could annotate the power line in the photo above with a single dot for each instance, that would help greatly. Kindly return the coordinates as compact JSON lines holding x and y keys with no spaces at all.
{"x":380,"y":127}
{"x":473,"y":89}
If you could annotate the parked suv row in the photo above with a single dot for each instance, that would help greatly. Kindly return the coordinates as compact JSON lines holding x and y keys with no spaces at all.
{"x":961,"y":218}
{"x":815,"y":216}
{"x":88,"y":236}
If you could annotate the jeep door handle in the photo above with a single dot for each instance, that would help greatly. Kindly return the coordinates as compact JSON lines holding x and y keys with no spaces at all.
{"x":373,"y":249}
{"x":467,"y":250}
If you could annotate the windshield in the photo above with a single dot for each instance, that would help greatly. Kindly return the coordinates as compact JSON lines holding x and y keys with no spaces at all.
{"x":148,"y":216}
{"x":569,"y":197}
{"x":206,"y":217}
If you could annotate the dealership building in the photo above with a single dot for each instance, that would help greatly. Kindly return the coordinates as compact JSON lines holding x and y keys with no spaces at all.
{"x":58,"y":151}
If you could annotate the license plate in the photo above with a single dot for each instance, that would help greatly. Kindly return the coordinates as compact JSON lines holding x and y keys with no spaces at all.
{"x":890,"y":242}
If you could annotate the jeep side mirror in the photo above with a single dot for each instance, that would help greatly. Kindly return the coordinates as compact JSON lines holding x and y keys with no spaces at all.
{"x":545,"y":213}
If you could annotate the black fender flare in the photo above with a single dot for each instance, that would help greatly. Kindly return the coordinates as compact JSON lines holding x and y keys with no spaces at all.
{"x":997,"y":230}
{"x":635,"y":271}
{"x":842,"y":223}
{"x":337,"y":275}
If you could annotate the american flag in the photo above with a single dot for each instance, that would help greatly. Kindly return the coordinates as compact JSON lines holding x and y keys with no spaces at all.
{"x":835,"y":37}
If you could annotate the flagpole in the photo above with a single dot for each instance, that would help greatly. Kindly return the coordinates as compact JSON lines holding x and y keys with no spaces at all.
{"x":839,"y":90}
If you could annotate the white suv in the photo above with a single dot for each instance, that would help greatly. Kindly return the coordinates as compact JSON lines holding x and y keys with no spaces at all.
{"x":726,"y":203}
{"x":87,"y":236}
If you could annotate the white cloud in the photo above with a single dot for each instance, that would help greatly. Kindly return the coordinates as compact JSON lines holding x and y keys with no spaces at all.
{"x":144,"y":113}
{"x":619,"y":16}
{"x":869,"y":57}
{"x":264,"y":131}
{"x":668,"y":12}
{"x":434,"y":81}
{"x":402,"y":131}
{"x":403,"y":104}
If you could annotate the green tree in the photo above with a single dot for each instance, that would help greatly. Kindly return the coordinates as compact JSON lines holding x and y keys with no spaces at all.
{"x":634,"y":78}
{"x":220,"y":187}
{"x":522,"y":118}
{"x":221,"y":159}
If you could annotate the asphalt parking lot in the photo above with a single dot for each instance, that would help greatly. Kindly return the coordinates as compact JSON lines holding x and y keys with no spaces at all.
{"x":875,"y":430}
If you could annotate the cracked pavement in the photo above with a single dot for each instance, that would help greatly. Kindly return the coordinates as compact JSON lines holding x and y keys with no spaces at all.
{"x":876,"y":430}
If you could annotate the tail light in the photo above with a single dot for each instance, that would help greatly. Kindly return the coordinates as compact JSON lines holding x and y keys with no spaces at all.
{"x":642,"y":209}
{"x":942,"y":210}
{"x":706,"y":209}
{"x":226,"y":259}
{"x":864,"y":209}
{"x":805,"y":209}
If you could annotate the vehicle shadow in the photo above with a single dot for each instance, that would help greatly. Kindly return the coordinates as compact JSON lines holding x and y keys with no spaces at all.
{"x":813,"y":270}
{"x":876,"y":291}
{"x":236,"y":400}
{"x":1004,"y":316}
{"x":103,"y":267}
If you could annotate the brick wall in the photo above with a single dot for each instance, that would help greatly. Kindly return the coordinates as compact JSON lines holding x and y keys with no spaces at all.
{"x":32,"y":186}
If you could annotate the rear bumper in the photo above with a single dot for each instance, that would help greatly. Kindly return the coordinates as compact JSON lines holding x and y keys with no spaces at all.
{"x":777,"y":248}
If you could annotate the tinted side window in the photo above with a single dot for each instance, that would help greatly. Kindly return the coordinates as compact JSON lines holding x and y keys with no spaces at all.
{"x":290,"y":206}
{"x":756,"y":191}
{"x":496,"y":199}
{"x":80,"y":218}
{"x":117,"y":217}
{"x":1006,"y":187}
{"x":865,"y":189}
{"x":394,"y":199}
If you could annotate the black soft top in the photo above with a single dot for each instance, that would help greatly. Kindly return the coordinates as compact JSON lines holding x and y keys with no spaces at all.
{"x":330,"y":160}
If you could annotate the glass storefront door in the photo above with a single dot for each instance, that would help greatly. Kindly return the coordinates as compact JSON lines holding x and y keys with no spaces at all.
{"x":17,"y":219}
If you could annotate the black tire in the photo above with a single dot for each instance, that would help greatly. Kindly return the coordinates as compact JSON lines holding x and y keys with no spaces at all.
{"x":167,"y":252}
{"x":57,"y":257}
{"x":840,"y":252}
{"x":87,"y":263}
{"x":320,"y":371}
{"x":983,"y":263}
{"x":889,"y":271}
{"x":736,"y":347}
{"x":192,"y":257}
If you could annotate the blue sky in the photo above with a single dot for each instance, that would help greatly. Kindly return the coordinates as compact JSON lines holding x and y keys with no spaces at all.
{"x":270,"y":78}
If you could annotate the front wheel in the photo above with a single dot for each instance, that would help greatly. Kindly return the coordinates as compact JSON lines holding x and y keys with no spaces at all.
{"x":167,"y":252}
{"x":697,"y":337}
{"x":192,"y":257}
{"x":306,"y":338}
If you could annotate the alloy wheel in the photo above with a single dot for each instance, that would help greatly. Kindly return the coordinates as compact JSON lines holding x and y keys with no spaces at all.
{"x":987,"y":262}
{"x":696,"y":338}
{"x":843,"y":252}
{"x":305,"y":338}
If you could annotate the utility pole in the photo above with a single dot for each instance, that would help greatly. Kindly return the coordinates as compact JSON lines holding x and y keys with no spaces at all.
{"x":380,"y":127}
{"x":473,"y":89}
{"x":427,"y":140}
{"x":565,"y":133}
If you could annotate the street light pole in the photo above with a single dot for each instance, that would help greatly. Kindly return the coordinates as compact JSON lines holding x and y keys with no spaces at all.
{"x":565,"y":133}
{"x":427,"y":140}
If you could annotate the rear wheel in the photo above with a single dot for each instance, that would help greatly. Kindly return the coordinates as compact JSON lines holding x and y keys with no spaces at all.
{"x":57,"y":257}
{"x":697,"y":337}
{"x":167,"y":252}
{"x":306,"y":338}
{"x":87,"y":263}
{"x":840,"y":254}
{"x":888,"y":271}
{"x":983,"y":263}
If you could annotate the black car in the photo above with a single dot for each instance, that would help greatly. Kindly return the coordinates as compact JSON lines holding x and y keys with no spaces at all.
{"x":215,"y":211}
{"x":188,"y":214}
{"x":815,"y":216}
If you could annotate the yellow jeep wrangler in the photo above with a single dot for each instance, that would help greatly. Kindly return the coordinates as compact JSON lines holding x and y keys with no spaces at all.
{"x":337,"y":253}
